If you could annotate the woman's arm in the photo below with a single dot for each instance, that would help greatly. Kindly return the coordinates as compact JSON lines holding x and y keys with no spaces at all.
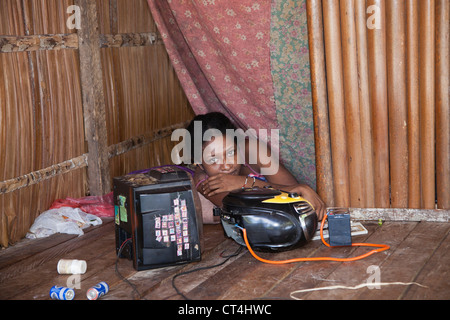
{"x":284,"y":180}
{"x":217,"y":187}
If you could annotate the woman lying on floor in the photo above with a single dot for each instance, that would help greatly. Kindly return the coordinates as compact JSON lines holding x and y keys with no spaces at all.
{"x":220,"y":171}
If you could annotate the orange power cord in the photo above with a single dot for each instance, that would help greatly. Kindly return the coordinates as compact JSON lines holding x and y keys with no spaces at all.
{"x":381,"y":247}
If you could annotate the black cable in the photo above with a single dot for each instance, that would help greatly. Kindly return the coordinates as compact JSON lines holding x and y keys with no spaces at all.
{"x":128,"y":241}
{"x":237,"y":252}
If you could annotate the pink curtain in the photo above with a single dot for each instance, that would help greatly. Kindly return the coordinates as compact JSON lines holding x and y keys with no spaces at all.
{"x":221,"y":52}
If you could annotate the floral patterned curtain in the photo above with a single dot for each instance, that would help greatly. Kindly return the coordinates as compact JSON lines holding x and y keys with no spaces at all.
{"x":249,"y":60}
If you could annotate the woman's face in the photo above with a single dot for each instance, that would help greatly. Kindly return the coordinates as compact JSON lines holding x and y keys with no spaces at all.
{"x":220,"y":156}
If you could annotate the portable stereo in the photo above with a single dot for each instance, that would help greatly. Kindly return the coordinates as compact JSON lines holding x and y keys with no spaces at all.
{"x":275,"y":220}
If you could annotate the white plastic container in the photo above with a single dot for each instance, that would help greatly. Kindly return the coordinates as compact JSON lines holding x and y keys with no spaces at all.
{"x":66,"y":266}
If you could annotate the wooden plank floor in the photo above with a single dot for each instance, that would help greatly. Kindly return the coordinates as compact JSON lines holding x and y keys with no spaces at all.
{"x":419,"y":253}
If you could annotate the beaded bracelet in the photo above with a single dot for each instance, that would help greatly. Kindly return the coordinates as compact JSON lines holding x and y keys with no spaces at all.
{"x":246,"y":179}
{"x":243,"y":186}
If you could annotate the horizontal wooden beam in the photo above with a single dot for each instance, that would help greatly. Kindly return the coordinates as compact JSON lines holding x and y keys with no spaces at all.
{"x":38,"y":42}
{"x":82,"y":161}
{"x":38,"y":176}
{"x":71,"y":41}
{"x":129,"y":40}
{"x":144,"y":139}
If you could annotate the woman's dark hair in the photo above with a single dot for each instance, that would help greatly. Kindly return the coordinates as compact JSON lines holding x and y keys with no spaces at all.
{"x":212,"y":120}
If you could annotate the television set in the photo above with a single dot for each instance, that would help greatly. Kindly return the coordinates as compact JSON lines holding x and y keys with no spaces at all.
{"x":156,"y":213}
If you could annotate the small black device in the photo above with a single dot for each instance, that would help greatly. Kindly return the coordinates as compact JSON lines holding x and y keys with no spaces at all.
{"x":274,"y":220}
{"x":339,"y":228}
{"x":157,"y":211}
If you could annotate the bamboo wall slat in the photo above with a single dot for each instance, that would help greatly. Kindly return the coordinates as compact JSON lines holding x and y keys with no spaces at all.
{"x":324,"y":184}
{"x":352,"y":113}
{"x":364,"y":104}
{"x":396,"y":80}
{"x":412,"y":100}
{"x":389,"y":59}
{"x":443,"y":103}
{"x":376,"y":40}
{"x":333,"y":54}
{"x":427,"y":102}
{"x":41,"y":108}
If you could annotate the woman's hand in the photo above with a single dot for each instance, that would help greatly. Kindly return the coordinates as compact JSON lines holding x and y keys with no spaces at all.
{"x":309,"y":194}
{"x":221,"y":183}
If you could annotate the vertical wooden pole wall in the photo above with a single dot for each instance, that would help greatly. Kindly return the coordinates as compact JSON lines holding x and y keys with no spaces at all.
{"x":398,"y":128}
{"x":333,"y":55}
{"x":364,"y":103}
{"x":387,"y":80}
{"x":376,"y":40}
{"x":93,"y":99}
{"x":412,"y":101}
{"x":351,"y":97}
{"x":442,"y":104}
{"x":427,"y":101}
{"x":324,"y":184}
